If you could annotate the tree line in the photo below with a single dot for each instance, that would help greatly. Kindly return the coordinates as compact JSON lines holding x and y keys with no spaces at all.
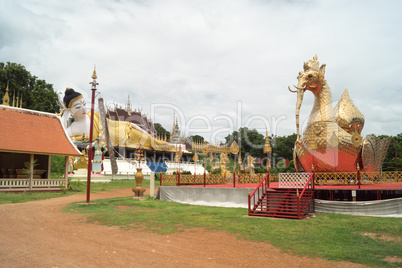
{"x":36,"y":94}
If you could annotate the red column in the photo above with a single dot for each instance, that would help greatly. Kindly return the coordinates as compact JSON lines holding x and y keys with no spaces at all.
{"x":91,"y":130}
{"x":234,"y":179}
{"x":179,"y":180}
{"x":249,"y":208}
{"x":358,"y":178}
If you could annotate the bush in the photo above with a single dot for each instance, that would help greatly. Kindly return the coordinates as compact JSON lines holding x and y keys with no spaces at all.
{"x":57,"y":165}
{"x":183,"y":172}
{"x":216,"y":171}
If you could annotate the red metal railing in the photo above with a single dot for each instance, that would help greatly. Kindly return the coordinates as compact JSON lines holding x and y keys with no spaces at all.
{"x":260,"y":190}
{"x":303,"y":200}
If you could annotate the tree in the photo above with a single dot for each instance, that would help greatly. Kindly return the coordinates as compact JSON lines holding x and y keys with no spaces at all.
{"x":395,"y":147}
{"x":282,"y":147}
{"x":36,"y":94}
{"x":161,"y":131}
{"x":197,"y":138}
{"x":249,"y":141}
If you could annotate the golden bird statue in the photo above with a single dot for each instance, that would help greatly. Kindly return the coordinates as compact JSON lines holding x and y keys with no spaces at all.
{"x":331,"y":141}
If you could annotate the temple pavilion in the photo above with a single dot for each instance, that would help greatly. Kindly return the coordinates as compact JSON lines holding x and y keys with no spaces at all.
{"x":28,"y":140}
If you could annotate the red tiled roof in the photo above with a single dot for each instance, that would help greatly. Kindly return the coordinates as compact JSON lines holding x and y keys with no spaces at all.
{"x":29,"y":131}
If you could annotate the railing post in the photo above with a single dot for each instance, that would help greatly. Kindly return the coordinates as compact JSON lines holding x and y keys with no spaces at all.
{"x":160,"y":176}
{"x":249,"y":209}
{"x":179,"y":180}
{"x":205,"y":177}
{"x":234,"y":179}
{"x":358,"y":175}
{"x":298,"y":205}
{"x":268,"y":179}
{"x":312,"y":170}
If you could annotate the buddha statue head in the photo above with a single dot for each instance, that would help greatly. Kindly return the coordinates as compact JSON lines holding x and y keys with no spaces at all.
{"x":74,"y":103}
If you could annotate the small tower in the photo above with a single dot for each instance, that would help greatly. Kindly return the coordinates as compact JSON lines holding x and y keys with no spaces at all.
{"x":176,"y":136}
{"x":267,"y":149}
{"x":128,"y":106}
{"x":6,"y":97}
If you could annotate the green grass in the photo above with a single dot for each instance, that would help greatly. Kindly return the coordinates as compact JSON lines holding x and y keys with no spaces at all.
{"x":328,"y":236}
{"x":76,"y":187}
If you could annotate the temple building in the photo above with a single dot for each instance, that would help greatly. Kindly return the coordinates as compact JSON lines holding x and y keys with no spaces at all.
{"x":28,"y":139}
{"x":176,"y":135}
{"x":134,"y":116}
{"x":156,"y":149}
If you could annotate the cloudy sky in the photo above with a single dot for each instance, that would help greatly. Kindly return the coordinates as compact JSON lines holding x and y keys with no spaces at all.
{"x":220,"y":65}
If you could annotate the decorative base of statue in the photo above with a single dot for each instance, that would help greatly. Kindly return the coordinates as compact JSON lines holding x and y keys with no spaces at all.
{"x":138,"y":190}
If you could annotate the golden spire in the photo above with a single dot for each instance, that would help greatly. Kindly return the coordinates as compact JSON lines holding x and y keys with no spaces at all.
{"x":13,"y":98}
{"x":18,"y":97}
{"x":267,"y":146}
{"x":94,"y":76}
{"x":6,"y":98}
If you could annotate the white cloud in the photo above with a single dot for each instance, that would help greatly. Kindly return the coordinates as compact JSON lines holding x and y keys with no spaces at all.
{"x":205,"y":56}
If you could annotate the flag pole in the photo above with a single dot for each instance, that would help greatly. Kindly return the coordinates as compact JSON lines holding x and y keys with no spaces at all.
{"x":91,"y":130}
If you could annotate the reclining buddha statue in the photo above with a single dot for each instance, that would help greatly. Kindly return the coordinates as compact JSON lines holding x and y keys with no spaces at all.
{"x":122,"y":133}
{"x":331,"y":140}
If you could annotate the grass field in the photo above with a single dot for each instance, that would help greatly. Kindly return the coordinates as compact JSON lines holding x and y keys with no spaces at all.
{"x":370,"y":241}
{"x":364,"y":240}
{"x":78,"y":186}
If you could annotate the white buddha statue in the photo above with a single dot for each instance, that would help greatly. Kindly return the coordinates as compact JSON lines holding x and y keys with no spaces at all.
{"x":74,"y":103}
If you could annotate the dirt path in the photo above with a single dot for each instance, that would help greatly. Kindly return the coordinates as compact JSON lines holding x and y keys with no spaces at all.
{"x":37,"y":234}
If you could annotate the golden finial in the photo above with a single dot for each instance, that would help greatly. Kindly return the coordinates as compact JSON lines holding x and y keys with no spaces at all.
{"x":94,"y":76}
{"x":6,"y":97}
{"x":13,"y":99}
{"x":195,"y":157}
{"x":18,"y":98}
{"x":267,"y":146}
{"x":234,"y":148}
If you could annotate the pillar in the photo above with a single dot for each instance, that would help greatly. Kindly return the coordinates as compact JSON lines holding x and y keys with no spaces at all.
{"x":66,"y":171}
{"x":31,"y":171}
{"x":49,"y":162}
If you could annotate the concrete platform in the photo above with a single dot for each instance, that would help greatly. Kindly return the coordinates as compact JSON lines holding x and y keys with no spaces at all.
{"x":222,"y":196}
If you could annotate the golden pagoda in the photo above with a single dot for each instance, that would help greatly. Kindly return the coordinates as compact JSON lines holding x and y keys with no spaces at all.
{"x":6,"y":98}
{"x":267,"y":149}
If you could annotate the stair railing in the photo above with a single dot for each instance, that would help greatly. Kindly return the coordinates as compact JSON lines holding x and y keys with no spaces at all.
{"x":307,"y":189}
{"x":259,"y":191}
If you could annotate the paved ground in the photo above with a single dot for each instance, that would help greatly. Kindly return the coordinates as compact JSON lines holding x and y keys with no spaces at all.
{"x":37,"y":234}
